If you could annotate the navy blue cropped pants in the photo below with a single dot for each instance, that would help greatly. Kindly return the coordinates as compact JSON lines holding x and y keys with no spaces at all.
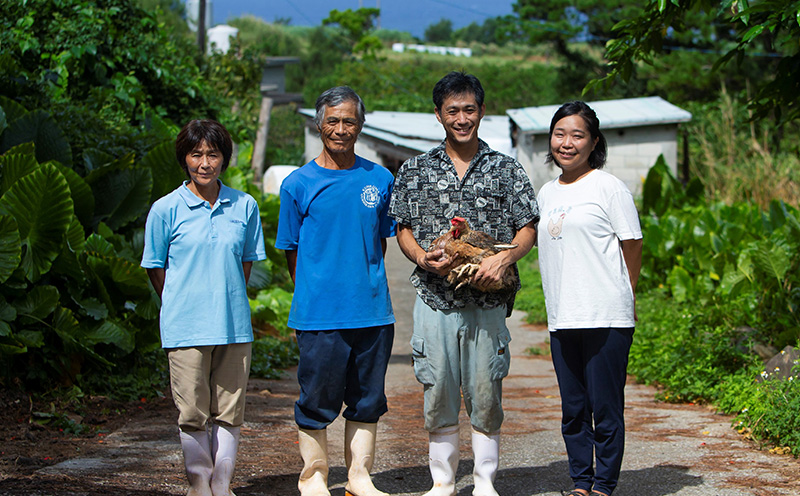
{"x":591,"y":366}
{"x":343,"y":366}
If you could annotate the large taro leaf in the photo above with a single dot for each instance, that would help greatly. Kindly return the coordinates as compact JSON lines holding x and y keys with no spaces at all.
{"x":129,"y":279}
{"x":10,"y":249}
{"x":15,"y":163}
{"x":82,"y":197}
{"x":69,"y":331}
{"x":12,"y":109}
{"x":122,"y":194}
{"x":40,"y":128}
{"x":110,"y":332}
{"x":95,"y":159}
{"x":41,"y":204}
{"x":167,"y":173}
{"x":37,"y":304}
{"x":67,"y":261}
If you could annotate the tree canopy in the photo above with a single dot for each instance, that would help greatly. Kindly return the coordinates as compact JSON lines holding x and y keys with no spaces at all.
{"x":768,"y":30}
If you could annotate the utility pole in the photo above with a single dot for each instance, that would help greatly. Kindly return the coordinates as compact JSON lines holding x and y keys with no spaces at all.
{"x":378,"y":6}
{"x":201,"y":27}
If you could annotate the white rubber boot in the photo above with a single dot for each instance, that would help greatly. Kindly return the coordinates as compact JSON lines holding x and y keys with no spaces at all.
{"x":197,"y":459}
{"x":359,"y":455}
{"x":486,"y":448}
{"x":224,"y":445}
{"x":314,"y":450}
{"x":443,"y":461}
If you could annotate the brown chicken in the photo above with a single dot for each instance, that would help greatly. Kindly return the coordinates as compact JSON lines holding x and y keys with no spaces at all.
{"x":470,"y":247}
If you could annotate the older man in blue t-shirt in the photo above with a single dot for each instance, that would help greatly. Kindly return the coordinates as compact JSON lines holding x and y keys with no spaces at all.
{"x":333,"y":226}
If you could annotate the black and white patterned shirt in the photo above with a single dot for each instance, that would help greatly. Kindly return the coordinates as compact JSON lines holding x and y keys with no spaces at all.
{"x":495,"y":196}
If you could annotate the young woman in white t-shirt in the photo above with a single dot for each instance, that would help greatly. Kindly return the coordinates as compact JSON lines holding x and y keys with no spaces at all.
{"x":590,"y":250}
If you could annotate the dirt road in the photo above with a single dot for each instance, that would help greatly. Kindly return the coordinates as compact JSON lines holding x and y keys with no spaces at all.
{"x":681,"y":450}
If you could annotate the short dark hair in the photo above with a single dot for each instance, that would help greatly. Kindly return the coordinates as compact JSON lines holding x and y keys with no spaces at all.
{"x":597,"y":158}
{"x":195,"y":132}
{"x":335,"y":96}
{"x":457,"y":83}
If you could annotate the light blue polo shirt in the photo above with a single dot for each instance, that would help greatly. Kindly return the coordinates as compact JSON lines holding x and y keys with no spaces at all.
{"x":335,"y":219}
{"x":202,"y":248}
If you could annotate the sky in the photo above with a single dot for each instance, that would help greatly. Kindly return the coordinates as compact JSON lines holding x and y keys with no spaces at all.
{"x":403,"y":15}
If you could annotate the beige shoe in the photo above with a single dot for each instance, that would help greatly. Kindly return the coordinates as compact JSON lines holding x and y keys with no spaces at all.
{"x":359,"y":455}
{"x":443,"y":461}
{"x":486,"y":448}
{"x":314,"y":450}
{"x":197,"y":459}
{"x":224,"y":445}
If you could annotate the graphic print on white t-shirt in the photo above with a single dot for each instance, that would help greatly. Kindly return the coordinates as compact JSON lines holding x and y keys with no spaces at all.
{"x":555,"y":226}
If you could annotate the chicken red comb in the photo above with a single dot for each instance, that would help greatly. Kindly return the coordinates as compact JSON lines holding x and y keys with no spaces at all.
{"x":457,"y":220}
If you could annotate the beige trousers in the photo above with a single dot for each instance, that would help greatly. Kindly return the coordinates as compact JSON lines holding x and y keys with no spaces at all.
{"x":209,"y":382}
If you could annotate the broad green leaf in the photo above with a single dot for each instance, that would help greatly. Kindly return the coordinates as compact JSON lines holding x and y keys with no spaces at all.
{"x":680,"y":283}
{"x":3,"y":122}
{"x":130,"y":278}
{"x":31,"y":339}
{"x":39,"y":127}
{"x":98,"y":246}
{"x":5,"y":329}
{"x":7,"y":311}
{"x":75,"y":237}
{"x":12,"y":349}
{"x":10,"y":249}
{"x":38,"y":303}
{"x":121,"y":194}
{"x":12,"y":109}
{"x":16,"y":163}
{"x":167,"y":173}
{"x":95,"y":159}
{"x":94,"y":308}
{"x":41,"y":204}
{"x":82,"y":197}
{"x":148,"y":308}
{"x":774,"y":261}
{"x":110,"y":332}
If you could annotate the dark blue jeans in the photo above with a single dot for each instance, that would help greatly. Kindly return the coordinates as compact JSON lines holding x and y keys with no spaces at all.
{"x":591,"y":366}
{"x":342,"y":366}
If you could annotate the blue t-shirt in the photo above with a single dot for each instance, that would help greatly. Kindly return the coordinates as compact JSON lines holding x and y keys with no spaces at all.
{"x":335,"y":219}
{"x":202,"y":248}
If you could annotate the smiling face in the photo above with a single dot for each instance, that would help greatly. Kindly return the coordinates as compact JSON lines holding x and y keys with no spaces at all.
{"x":571,"y":144}
{"x":340,"y":128}
{"x":460,"y":116}
{"x":204,"y":165}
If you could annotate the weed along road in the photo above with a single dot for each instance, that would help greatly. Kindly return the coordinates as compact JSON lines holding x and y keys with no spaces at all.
{"x":685,"y":450}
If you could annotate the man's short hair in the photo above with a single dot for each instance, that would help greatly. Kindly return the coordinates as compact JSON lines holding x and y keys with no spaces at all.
{"x":336,"y":96}
{"x":457,"y":83}
{"x":195,"y":132}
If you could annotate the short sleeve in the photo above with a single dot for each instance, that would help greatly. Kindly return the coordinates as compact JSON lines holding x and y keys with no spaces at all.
{"x":254,"y":248}
{"x":524,"y":208}
{"x":623,"y":216}
{"x":289,"y":222}
{"x":156,"y":241}
{"x":388,"y":226}
{"x":398,"y":207}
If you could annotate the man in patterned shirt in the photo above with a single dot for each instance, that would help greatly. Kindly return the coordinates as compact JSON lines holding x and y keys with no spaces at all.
{"x":460,"y":340}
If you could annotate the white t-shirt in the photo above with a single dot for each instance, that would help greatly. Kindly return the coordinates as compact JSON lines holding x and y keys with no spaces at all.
{"x":585,"y":279}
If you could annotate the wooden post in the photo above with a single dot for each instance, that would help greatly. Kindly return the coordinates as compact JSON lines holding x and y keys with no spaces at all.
{"x":260,"y":146}
{"x":201,"y":27}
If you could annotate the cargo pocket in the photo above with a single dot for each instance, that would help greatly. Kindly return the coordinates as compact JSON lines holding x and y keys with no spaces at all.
{"x":422,"y":369}
{"x":502,"y":356}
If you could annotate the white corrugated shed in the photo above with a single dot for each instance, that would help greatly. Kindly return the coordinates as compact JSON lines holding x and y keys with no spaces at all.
{"x":628,"y":112}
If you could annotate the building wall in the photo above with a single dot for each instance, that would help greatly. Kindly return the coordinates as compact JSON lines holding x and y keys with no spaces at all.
{"x":631,"y":154}
{"x":367,"y":147}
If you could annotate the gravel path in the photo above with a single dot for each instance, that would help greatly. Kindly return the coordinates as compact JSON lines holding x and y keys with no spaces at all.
{"x":684,"y":450}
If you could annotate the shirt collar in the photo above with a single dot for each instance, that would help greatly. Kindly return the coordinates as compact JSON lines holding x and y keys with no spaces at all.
{"x":193,"y":200}
{"x":483,"y":149}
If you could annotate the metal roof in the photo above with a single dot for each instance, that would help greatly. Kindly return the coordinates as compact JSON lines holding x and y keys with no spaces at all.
{"x":421,"y":131}
{"x":628,"y":112}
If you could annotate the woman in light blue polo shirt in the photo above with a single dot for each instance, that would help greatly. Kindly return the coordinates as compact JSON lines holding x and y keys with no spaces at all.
{"x":200,"y":244}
